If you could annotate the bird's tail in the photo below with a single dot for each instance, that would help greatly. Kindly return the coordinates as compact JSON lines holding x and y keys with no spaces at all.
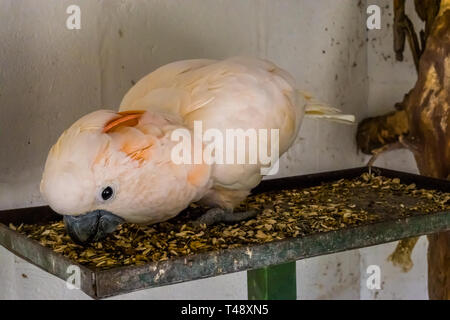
{"x":317,"y":109}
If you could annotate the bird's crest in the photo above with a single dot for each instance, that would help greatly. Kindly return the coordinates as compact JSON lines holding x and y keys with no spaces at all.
{"x":126,"y":118}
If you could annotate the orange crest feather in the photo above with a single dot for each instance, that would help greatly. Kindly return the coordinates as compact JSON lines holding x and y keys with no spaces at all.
{"x":126,"y":118}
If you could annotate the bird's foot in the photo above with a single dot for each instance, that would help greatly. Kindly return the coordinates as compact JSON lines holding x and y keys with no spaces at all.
{"x":216,"y":215}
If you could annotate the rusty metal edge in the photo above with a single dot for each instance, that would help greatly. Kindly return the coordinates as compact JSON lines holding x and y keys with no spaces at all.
{"x":45,"y":258}
{"x":128,"y":279}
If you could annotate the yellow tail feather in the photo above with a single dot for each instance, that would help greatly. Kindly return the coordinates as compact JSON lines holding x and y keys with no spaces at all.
{"x":317,"y":109}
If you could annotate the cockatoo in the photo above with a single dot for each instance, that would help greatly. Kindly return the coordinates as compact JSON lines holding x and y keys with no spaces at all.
{"x":116,"y":166}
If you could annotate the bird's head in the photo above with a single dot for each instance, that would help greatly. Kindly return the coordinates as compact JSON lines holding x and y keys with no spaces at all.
{"x":111,"y":167}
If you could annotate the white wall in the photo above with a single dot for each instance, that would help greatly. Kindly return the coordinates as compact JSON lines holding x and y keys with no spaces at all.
{"x":50,"y":76}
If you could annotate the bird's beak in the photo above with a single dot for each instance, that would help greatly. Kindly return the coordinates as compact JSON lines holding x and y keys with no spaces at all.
{"x":92,"y":226}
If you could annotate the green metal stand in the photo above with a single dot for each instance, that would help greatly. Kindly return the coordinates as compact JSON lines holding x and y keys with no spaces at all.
{"x":272,"y":283}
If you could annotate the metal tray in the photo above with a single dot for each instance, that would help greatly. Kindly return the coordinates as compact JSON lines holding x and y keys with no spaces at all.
{"x":103,"y":283}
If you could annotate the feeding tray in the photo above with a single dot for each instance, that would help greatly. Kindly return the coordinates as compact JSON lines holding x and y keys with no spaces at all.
{"x":361,"y":215}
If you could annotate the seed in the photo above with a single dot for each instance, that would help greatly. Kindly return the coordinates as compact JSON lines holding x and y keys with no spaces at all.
{"x":284,"y":214}
{"x":261,"y":235}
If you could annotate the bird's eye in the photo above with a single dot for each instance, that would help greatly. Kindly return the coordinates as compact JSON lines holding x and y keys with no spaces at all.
{"x":107,"y":193}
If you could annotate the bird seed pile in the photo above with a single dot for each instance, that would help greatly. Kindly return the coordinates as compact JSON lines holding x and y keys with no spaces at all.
{"x":283,"y":214}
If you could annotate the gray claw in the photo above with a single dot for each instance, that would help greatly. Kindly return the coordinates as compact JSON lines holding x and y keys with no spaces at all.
{"x":216,"y":215}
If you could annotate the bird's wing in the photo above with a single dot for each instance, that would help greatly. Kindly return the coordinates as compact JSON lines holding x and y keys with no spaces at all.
{"x":236,"y":93}
{"x":158,"y":90}
{"x":233,"y":93}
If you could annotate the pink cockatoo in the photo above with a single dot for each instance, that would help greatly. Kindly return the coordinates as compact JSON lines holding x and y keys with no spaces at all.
{"x":110,"y":167}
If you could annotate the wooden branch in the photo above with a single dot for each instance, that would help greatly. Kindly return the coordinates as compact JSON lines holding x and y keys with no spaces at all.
{"x":404,"y":28}
{"x":413,"y":41}
{"x":401,"y":257}
{"x":423,"y":118}
{"x":427,"y":10}
{"x":399,"y":33}
{"x":376,"y":132}
{"x":387,"y":147}
{"x":429,"y":109}
{"x":428,"y":104}
{"x":438,"y":266}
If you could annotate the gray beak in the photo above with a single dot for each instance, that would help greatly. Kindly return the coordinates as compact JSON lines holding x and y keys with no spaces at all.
{"x":92,"y":226}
